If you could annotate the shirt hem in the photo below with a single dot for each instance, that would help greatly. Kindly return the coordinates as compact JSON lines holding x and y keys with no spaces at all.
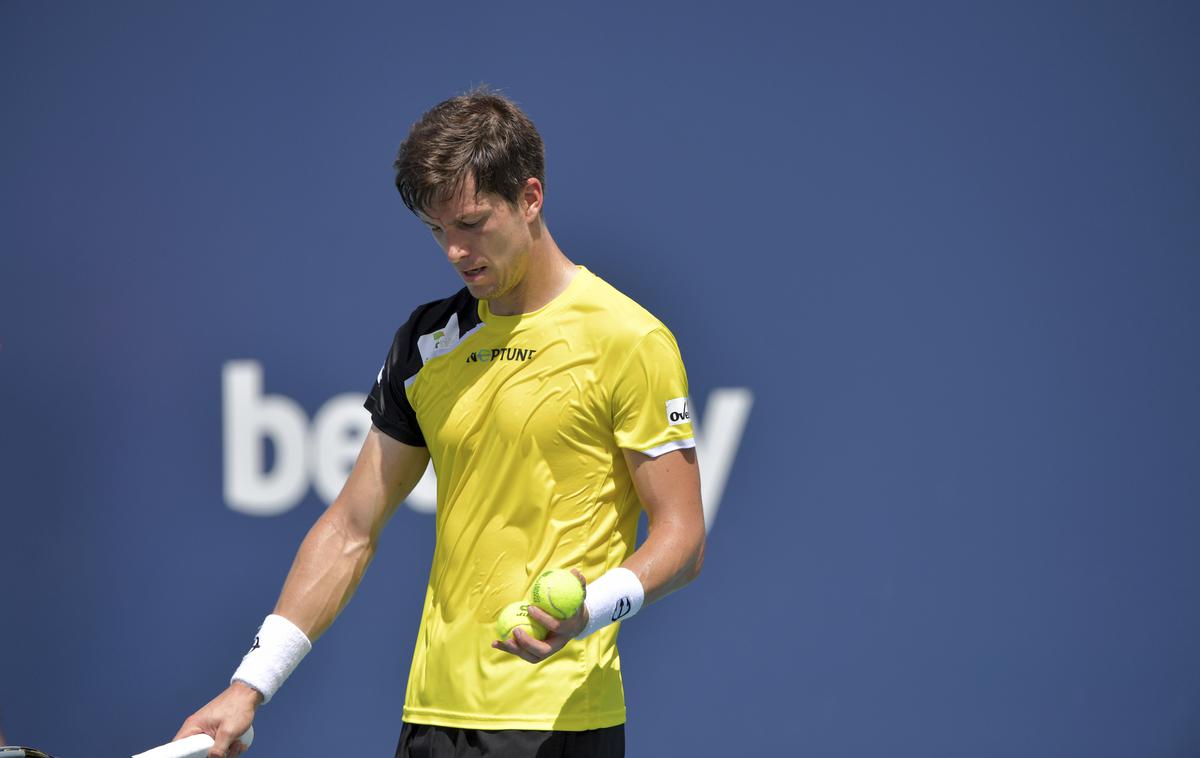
{"x":536,"y":723}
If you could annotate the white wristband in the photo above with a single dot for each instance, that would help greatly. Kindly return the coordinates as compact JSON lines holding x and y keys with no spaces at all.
{"x":613,"y":597}
{"x":278,"y":649}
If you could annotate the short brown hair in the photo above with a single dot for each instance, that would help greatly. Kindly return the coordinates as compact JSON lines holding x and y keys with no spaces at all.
{"x":481,"y":134}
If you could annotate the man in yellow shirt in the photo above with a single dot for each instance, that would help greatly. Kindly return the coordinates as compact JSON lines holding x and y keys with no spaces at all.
{"x":554,"y":409}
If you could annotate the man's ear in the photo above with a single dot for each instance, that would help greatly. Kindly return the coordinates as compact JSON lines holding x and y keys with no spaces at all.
{"x":531,"y":199}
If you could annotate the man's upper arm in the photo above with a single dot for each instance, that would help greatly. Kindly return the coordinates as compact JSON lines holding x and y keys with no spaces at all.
{"x":668,"y":486}
{"x":384,"y":474}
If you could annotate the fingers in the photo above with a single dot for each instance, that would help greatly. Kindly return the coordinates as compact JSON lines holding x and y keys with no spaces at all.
{"x":187,"y":730}
{"x":579,"y":575}
{"x":512,"y":648}
{"x":226,"y":745}
{"x":529,"y":649}
{"x":567,"y":628}
{"x":545,"y":619}
{"x":539,"y":649}
{"x":226,"y":717}
{"x":220,"y":748}
{"x":228,"y":740}
{"x":236,"y":748}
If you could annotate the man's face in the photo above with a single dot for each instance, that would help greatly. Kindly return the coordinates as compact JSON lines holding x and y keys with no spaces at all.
{"x":484,"y":238}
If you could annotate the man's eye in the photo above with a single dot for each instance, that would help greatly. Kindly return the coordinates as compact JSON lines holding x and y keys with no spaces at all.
{"x":468,"y":224}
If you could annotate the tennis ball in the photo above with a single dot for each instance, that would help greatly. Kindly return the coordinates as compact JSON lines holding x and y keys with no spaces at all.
{"x":558,"y":593}
{"x":514,"y":615}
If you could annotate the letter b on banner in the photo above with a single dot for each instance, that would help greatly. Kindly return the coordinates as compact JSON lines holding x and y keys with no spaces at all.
{"x":252,"y":419}
{"x":249,"y":419}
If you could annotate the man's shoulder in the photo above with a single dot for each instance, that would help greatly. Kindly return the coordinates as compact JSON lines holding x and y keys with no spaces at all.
{"x":624,"y":316}
{"x":434,"y":315}
{"x":434,"y":328}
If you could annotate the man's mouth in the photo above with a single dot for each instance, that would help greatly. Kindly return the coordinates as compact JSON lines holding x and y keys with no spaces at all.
{"x":472,"y":273}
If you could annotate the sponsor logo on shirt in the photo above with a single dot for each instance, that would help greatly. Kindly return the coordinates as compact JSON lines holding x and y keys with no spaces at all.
{"x":439,"y":341}
{"x":489,"y":354}
{"x":677,"y":412}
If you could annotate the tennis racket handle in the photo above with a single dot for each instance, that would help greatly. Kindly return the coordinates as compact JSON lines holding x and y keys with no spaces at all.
{"x":196,"y":746}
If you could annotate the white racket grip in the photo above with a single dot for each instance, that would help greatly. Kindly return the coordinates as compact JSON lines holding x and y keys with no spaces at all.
{"x":196,"y":746}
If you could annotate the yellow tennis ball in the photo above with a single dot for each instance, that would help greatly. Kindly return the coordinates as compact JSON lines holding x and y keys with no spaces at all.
{"x":517,"y":615}
{"x":558,"y":593}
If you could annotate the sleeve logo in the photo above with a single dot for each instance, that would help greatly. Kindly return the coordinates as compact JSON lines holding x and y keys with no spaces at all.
{"x":677,"y":412}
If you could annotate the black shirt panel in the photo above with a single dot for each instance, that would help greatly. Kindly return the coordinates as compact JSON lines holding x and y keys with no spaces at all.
{"x":388,"y":400}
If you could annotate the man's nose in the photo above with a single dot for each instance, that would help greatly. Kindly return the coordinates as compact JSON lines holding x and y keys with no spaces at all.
{"x":455,"y":251}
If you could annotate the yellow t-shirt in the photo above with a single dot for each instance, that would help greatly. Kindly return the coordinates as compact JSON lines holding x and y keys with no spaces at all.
{"x":525,"y":418}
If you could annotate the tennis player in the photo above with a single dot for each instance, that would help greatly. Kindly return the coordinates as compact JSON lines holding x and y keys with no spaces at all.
{"x":554,"y":409}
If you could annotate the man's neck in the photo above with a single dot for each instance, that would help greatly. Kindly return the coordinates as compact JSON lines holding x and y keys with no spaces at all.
{"x":549,"y":274}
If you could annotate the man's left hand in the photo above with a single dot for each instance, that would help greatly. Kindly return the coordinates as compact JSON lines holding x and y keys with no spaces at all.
{"x":558,"y":632}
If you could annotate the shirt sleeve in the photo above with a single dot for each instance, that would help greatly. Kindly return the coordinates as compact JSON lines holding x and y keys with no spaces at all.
{"x":388,"y":401}
{"x":650,"y":398}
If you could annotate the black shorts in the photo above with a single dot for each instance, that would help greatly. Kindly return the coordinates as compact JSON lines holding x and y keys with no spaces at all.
{"x":424,"y":741}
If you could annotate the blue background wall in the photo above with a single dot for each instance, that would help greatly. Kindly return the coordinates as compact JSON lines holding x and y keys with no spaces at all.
{"x":952,"y":249}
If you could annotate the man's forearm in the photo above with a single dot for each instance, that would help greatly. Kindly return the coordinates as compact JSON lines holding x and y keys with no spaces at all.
{"x":339,"y":547}
{"x":670,"y":558}
{"x":327,"y":569}
{"x":669,"y":488}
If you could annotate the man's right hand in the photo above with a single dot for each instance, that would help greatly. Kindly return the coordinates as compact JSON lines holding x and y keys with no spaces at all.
{"x":225,"y":718}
